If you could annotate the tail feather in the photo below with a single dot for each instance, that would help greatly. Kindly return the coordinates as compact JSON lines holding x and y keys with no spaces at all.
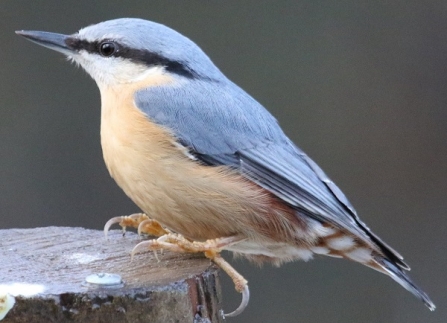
{"x":374,"y":254}
{"x":395,"y":272}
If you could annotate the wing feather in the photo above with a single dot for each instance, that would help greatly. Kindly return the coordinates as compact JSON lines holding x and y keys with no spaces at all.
{"x":222,"y":125}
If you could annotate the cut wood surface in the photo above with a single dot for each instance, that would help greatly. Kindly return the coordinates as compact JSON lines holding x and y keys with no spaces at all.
{"x":44,"y":269}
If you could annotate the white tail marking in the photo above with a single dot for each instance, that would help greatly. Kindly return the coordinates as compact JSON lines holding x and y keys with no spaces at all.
{"x":359,"y":254}
{"x":320,"y":250}
{"x":341,"y":243}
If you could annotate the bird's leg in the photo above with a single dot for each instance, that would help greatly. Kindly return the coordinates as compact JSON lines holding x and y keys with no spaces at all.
{"x":141,"y":221}
{"x":240,"y":283}
{"x":211,"y":249}
{"x":177,"y":243}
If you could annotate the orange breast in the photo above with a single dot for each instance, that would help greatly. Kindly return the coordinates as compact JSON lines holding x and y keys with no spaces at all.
{"x":200,"y":202}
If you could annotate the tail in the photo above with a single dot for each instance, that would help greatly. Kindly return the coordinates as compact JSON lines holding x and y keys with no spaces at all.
{"x":371,"y":252}
{"x":395,"y":272}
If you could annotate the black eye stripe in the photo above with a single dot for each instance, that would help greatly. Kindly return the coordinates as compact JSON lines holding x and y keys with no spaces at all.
{"x":77,"y":44}
{"x":137,"y":55}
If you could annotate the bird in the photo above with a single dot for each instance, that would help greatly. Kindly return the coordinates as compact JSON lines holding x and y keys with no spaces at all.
{"x":208,"y":165}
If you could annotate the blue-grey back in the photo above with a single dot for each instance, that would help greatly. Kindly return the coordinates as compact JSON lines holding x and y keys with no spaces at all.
{"x":221,"y":124}
{"x":212,"y":117}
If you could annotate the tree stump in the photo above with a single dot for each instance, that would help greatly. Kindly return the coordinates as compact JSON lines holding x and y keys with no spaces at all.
{"x":45,"y":269}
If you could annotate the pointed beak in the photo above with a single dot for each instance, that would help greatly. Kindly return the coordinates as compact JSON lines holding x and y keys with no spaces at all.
{"x":57,"y":42}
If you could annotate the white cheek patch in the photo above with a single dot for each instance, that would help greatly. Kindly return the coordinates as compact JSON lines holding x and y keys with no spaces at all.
{"x":340,"y":243}
{"x":114,"y":70}
{"x":138,"y":72}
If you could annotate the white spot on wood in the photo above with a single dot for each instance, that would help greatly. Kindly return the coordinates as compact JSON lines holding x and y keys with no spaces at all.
{"x":83,"y":258}
{"x":341,"y":243}
{"x":7,"y":302}
{"x":22,"y":289}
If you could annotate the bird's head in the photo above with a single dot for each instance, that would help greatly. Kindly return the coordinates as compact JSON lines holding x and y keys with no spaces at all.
{"x":129,"y":50}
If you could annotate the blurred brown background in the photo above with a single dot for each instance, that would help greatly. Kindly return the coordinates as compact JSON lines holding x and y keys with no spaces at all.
{"x":360,"y":85}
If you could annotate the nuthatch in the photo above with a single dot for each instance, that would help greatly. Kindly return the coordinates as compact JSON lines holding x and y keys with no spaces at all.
{"x":206,"y":162}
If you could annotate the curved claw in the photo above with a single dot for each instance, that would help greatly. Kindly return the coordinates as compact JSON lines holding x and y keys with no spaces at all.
{"x":147,"y":244}
{"x":140,"y":227}
{"x":111,"y":222}
{"x":243,"y":305}
{"x":124,"y":221}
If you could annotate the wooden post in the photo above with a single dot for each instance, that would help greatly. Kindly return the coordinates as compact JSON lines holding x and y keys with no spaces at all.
{"x":45,"y":270}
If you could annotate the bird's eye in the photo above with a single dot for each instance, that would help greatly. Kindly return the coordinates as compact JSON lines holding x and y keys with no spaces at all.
{"x":107,"y":49}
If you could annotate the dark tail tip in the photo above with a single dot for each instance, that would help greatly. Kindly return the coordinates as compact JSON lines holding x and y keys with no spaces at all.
{"x":403,"y":279}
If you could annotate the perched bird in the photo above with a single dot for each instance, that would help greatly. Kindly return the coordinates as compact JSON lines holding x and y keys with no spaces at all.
{"x":209,"y":166}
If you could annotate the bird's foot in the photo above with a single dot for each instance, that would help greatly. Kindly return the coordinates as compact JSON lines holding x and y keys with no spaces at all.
{"x":141,"y":221}
{"x":211,"y":249}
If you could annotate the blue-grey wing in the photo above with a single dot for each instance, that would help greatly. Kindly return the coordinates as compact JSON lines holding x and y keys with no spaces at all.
{"x":222,"y":125}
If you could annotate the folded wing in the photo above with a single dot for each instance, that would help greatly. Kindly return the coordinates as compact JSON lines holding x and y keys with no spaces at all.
{"x":222,"y":125}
